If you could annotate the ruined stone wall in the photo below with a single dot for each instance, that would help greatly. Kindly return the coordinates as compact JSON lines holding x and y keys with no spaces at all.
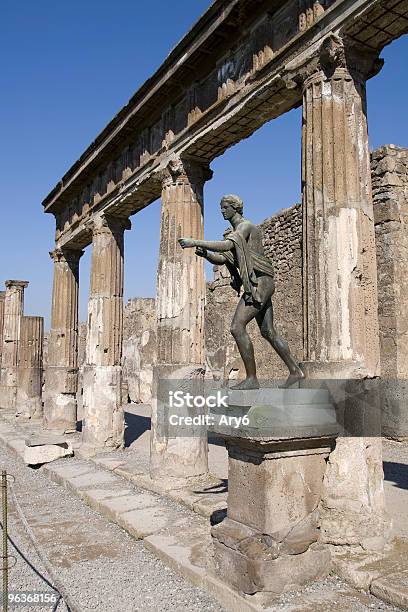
{"x":139,"y":347}
{"x":389,"y":168}
{"x":82,"y":327}
{"x":139,"y":351}
{"x":282,"y":240}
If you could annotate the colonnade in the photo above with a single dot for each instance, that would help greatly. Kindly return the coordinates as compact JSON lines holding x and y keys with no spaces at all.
{"x":341,"y":337}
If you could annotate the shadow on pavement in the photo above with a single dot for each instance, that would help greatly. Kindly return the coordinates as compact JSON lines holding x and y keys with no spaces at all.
{"x":396,"y":473}
{"x":136,"y":425}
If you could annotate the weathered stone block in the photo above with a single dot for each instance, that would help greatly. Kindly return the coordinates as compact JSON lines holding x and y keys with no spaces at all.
{"x":279,"y":493}
{"x":251,"y":573}
{"x":45,"y":453}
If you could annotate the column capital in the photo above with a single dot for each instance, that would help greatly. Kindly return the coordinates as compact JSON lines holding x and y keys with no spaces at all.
{"x":2,"y":296}
{"x":107,"y":223}
{"x":16,"y":283}
{"x":186,"y":168}
{"x":66,"y":255}
{"x":336,"y":57}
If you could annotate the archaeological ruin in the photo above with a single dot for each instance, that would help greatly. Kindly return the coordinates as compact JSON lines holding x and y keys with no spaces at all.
{"x":341,"y":283}
{"x":21,"y":354}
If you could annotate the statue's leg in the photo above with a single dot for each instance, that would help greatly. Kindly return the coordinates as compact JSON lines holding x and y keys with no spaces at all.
{"x":243,"y":315}
{"x":268,"y":331}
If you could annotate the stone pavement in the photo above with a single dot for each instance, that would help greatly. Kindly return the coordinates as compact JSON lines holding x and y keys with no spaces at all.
{"x":395,"y":455}
{"x":100,"y":565}
{"x":173,"y":523}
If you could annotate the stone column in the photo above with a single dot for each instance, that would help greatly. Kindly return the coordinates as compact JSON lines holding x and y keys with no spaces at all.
{"x":103,"y":424}
{"x":180,"y":314}
{"x":341,"y":336}
{"x":30,"y":364}
{"x":340,"y":276}
{"x":60,"y":408}
{"x":2,"y":298}
{"x":13,"y":311}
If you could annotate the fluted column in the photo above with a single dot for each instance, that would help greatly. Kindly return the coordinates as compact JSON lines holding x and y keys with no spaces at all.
{"x":340,"y":279}
{"x":13,"y":311}
{"x":103,"y":424}
{"x":60,"y":407}
{"x":180,"y":276}
{"x":341,"y":334}
{"x":30,"y":367}
{"x":180,"y":313}
{"x":2,"y":298}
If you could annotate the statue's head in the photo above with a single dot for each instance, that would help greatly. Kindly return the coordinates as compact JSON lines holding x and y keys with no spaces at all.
{"x":231,"y":204}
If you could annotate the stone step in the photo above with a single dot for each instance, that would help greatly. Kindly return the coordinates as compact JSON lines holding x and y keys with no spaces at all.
{"x":139,"y":513}
{"x":189,"y":554}
{"x":205,"y":496}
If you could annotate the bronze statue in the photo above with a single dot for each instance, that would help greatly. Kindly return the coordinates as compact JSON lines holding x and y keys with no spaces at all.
{"x":242,"y":252}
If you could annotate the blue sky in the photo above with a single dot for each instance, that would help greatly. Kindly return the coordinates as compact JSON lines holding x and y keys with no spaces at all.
{"x":68,"y":67}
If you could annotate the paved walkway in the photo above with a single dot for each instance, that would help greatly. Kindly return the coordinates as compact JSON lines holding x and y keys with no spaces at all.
{"x":395,"y":457}
{"x":106,"y":569}
{"x":101,"y":565}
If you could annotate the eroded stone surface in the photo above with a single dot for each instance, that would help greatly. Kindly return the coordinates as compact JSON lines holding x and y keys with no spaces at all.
{"x":103,"y":423}
{"x":268,"y":541}
{"x":13,"y":312}
{"x":393,"y":589}
{"x":180,"y":456}
{"x":30,"y":368}
{"x":353,"y":508}
{"x":389,"y":168}
{"x":61,"y":370}
{"x":180,"y":314}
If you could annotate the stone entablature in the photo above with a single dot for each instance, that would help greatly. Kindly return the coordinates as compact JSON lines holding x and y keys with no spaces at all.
{"x":224,"y":80}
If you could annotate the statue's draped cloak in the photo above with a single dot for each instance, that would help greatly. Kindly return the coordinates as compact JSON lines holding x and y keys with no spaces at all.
{"x":244,"y":266}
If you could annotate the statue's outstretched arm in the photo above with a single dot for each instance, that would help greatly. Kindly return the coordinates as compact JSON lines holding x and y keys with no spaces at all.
{"x":214,"y":258}
{"x":219,"y":246}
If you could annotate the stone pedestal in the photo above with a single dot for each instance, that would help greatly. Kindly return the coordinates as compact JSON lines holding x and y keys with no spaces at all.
{"x":103,"y":424}
{"x":269,"y":541}
{"x":180,"y":311}
{"x":30,"y":368}
{"x":60,"y":407}
{"x":13,"y":311}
